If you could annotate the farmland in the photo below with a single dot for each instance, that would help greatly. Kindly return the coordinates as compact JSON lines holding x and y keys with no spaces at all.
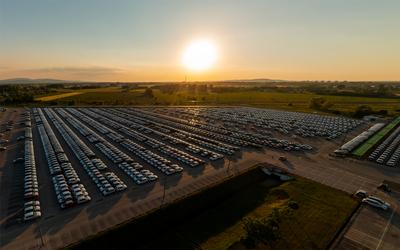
{"x":57,"y":96}
{"x":278,"y":100}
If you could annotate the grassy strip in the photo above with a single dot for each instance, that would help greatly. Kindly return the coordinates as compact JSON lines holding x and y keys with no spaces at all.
{"x":366,"y":146}
{"x":58,"y":96}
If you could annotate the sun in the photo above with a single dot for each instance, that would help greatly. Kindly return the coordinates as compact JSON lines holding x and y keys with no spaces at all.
{"x":200,"y":55}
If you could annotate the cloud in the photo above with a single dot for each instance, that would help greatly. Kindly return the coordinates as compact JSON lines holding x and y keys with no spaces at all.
{"x":92,"y":71}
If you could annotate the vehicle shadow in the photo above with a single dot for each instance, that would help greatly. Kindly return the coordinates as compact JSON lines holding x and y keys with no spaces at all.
{"x":196,"y":171}
{"x":141,"y":192}
{"x":53,"y":224}
{"x":217,"y":164}
{"x":103,"y":205}
{"x":13,"y":229}
{"x":288,"y":164}
{"x":390,"y":214}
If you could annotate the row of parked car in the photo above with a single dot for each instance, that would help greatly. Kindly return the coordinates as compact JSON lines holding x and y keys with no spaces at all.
{"x":302,"y":124}
{"x":154,"y":160}
{"x":255,"y":140}
{"x":243,"y":133}
{"x":85,"y":155}
{"x":68,"y":195}
{"x":66,"y":182}
{"x":130,"y":120}
{"x":164,"y":148}
{"x":163,"y":133}
{"x":171,"y":126}
{"x":194,"y":129}
{"x":140,"y":177}
{"x":27,"y":133}
{"x":158,"y":145}
{"x":202,"y":151}
{"x":388,"y":152}
{"x":27,"y":121}
{"x":125,"y":162}
{"x":137,"y":172}
{"x":31,"y":186}
{"x":32,"y":210}
{"x":181,"y":156}
{"x":115,"y":125}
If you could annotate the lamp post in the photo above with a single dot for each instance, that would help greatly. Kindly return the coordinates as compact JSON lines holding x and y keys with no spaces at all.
{"x":164,"y":187}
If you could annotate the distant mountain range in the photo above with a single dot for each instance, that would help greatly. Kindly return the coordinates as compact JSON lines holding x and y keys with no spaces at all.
{"x":31,"y":81}
{"x":47,"y":81}
{"x":23,"y":80}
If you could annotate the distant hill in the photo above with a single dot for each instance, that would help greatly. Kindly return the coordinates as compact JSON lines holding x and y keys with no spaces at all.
{"x":31,"y":81}
{"x":22,"y":80}
{"x":260,"y":80}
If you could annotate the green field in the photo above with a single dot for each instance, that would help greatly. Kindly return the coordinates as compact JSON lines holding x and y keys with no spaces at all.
{"x":366,"y":146}
{"x":57,"y":96}
{"x":321,"y":213}
{"x":214,"y":218}
{"x":276,"y":100}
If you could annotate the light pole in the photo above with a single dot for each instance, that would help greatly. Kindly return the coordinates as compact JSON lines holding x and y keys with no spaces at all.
{"x":229,"y":166}
{"x":165,"y":183}
{"x":41,"y":235}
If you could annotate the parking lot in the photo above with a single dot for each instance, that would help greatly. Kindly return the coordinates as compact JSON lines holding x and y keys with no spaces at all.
{"x":99,"y":167}
{"x":372,"y":228}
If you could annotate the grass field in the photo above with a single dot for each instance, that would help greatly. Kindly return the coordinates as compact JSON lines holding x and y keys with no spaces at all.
{"x":366,"y":146}
{"x":321,"y":213}
{"x":213,"y":219}
{"x":276,"y":100}
{"x":57,"y":96}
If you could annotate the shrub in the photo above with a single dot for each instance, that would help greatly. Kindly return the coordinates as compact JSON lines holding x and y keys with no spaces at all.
{"x":293,"y":205}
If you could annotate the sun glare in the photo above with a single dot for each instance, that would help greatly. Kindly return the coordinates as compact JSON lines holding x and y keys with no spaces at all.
{"x":200,"y":55}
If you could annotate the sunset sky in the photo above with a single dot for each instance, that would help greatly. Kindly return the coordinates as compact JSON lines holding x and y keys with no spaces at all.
{"x":121,"y":40}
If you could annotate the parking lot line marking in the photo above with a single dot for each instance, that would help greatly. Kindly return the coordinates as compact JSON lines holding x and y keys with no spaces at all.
{"x":386,"y":228}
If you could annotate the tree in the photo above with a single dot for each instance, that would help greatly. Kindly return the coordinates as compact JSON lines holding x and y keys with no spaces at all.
{"x":382,"y":90}
{"x":262,"y":230}
{"x":149,"y":92}
{"x":320,"y":103}
{"x":363,"y":110}
{"x":326,"y":105}
{"x":316,"y":102}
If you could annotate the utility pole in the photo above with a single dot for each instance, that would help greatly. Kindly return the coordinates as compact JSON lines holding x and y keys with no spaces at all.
{"x":41,"y":235}
{"x":229,"y":165}
{"x":165,"y":183}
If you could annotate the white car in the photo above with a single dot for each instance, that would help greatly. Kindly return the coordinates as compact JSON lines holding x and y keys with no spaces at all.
{"x":361,"y":193}
{"x":32,"y":203}
{"x":29,"y":209}
{"x":375,"y":203}
{"x":32,"y":215}
{"x":379,"y":200}
{"x":82,"y":199}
